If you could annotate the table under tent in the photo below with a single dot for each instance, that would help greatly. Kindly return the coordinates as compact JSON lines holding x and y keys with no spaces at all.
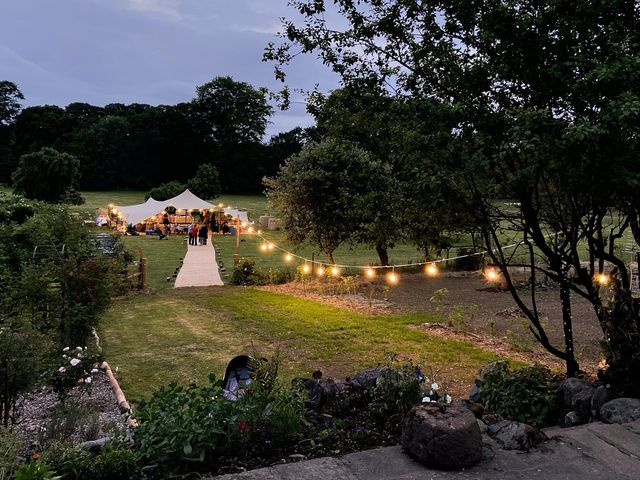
{"x":176,"y":214}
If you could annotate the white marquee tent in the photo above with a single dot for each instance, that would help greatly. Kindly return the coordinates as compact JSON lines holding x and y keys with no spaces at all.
{"x":134,"y":214}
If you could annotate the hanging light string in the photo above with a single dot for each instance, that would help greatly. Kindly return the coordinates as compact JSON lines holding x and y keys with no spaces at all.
{"x":270,"y":245}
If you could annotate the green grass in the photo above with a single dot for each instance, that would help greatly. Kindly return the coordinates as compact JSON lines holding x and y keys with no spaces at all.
{"x":185,"y":334}
{"x":163,"y":257}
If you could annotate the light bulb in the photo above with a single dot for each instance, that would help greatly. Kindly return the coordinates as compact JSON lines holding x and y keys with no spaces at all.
{"x":288,"y":257}
{"x":320,"y":271}
{"x":392,"y":278}
{"x":335,"y":271}
{"x":431,"y":270}
{"x":491,"y":275}
{"x":306,"y":268}
{"x":264,"y":247}
{"x":370,"y":272}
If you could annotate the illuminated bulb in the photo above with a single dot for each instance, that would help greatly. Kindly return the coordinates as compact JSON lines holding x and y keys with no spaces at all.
{"x":320,"y":271}
{"x":220,"y":205}
{"x":602,"y":278}
{"x":492,"y":275}
{"x":259,"y":232}
{"x":244,"y":225}
{"x":392,"y":278}
{"x":431,"y":270}
{"x":271,"y":246}
{"x":370,"y":272}
{"x":264,"y":247}
{"x":111,"y":205}
{"x":288,"y":257}
{"x":335,"y":271}
{"x":250,"y":229}
{"x":306,"y":268}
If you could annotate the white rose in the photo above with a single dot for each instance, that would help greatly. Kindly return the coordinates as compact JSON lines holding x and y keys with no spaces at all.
{"x":94,"y":370}
{"x":62,"y":369}
{"x":78,"y":349}
{"x":426,"y":399}
{"x":65,"y":349}
{"x":87,"y":380}
{"x":74,"y":361}
{"x":447,"y":398}
{"x":434,"y":386}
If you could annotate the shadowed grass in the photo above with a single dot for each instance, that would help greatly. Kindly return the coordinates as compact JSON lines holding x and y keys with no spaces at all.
{"x":184,"y":334}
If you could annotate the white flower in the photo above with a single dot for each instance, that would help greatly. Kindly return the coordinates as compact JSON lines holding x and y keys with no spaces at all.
{"x":426,"y":399}
{"x":62,"y":369}
{"x":78,"y":349}
{"x":94,"y":370}
{"x":74,"y":361}
{"x":65,"y":349}
{"x":64,"y":356}
{"x":434,"y":386}
{"x":447,"y":398}
{"x":87,"y":380}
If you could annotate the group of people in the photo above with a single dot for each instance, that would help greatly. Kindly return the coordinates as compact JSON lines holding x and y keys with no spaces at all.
{"x":198,"y":234}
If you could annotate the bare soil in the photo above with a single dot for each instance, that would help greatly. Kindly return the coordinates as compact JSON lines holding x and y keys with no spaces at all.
{"x":470,"y":309}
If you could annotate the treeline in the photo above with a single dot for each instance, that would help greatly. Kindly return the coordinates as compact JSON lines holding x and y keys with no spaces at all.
{"x":140,"y":146}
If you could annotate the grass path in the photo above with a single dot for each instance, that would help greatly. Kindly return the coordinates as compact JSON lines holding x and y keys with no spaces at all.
{"x":184,"y":335}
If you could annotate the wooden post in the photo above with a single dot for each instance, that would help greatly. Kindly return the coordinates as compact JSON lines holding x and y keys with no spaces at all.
{"x":143,"y":273}
{"x":313,"y":263}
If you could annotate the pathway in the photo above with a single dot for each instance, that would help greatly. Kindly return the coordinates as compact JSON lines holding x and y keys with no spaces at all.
{"x":200,"y":268}
{"x":590,"y":452}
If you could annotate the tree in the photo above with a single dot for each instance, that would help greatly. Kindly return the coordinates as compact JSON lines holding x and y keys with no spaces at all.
{"x":46,"y":175}
{"x":206,"y":182}
{"x":548,"y":97}
{"x":321,"y":193}
{"x":166,"y":191}
{"x":10,"y":97}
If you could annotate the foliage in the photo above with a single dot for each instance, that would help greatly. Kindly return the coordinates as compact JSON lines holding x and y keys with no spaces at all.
{"x":527,"y":395}
{"x":35,"y":469}
{"x":10,"y":97}
{"x":245,"y":273}
{"x":467,"y":263}
{"x":70,"y":462}
{"x":10,"y":446}
{"x":69,"y":422}
{"x":117,"y":464}
{"x":397,"y":391}
{"x":206,"y":182}
{"x":317,"y":193}
{"x":166,"y":191}
{"x":46,"y":175}
{"x":76,"y":368}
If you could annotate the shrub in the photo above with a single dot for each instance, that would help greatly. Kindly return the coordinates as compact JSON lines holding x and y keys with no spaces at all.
{"x":245,"y":273}
{"x":278,"y":276}
{"x":69,"y":422}
{"x":527,"y":395}
{"x":206,"y":182}
{"x":166,"y":191}
{"x":75,"y":369}
{"x":9,"y":449}
{"x":117,"y":464}
{"x":35,"y":469}
{"x":69,"y":462}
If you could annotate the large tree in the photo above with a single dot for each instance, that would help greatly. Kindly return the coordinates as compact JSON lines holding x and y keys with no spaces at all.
{"x":328,"y":194}
{"x":46,"y":175}
{"x":10,"y":97}
{"x":549,"y":101}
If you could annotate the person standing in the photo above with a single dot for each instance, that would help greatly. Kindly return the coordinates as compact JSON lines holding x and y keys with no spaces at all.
{"x":190,"y":232}
{"x":194,"y":233}
{"x":203,"y":232}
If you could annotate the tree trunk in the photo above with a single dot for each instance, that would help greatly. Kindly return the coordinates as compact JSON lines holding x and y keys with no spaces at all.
{"x":567,"y":321}
{"x":329,"y":255}
{"x":383,"y":254}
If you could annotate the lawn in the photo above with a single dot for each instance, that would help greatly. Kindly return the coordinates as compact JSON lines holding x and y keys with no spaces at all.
{"x":163,"y":257}
{"x":187,"y":333}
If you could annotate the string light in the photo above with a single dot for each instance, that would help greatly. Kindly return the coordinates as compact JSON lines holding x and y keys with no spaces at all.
{"x":220,"y":205}
{"x":250,"y":229}
{"x":320,"y":271}
{"x":306,"y":268}
{"x":392,"y":277}
{"x":491,"y":275}
{"x":431,"y":270}
{"x":370,"y":272}
{"x":335,"y":271}
{"x":288,"y":258}
{"x":264,"y":247}
{"x":270,"y":246}
{"x":602,"y":278}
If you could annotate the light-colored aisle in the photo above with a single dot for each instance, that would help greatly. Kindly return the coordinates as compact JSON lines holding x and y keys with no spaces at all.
{"x":200,"y":268}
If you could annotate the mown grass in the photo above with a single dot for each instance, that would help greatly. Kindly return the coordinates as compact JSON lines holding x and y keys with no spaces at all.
{"x":163,"y":257}
{"x":184,"y":334}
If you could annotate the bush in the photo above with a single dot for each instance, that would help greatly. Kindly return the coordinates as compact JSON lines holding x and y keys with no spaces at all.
{"x":278,"y":276}
{"x":245,"y":273}
{"x":166,"y":191}
{"x":35,"y":469}
{"x":9,"y":449}
{"x":117,"y":464}
{"x":527,"y":395}
{"x":69,"y":462}
{"x":75,"y":368}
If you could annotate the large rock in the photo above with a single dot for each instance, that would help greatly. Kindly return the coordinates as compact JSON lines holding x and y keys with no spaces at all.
{"x":600,"y":397}
{"x":576,"y":394}
{"x":620,"y":410}
{"x":368,"y":379}
{"x":446,"y":436}
{"x":515,"y":435}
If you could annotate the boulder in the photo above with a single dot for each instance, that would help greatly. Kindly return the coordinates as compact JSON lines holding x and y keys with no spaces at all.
{"x":95,"y":446}
{"x":576,"y":393}
{"x":476,"y":408}
{"x":474,"y":393}
{"x":572,"y":419}
{"x":367,"y":379}
{"x":515,"y":435}
{"x":321,"y":392}
{"x":620,"y":410}
{"x":491,"y":418}
{"x":600,"y":397}
{"x":445,"y":436}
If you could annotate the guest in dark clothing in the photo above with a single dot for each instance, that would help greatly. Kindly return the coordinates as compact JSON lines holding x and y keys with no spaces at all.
{"x":202,"y":233}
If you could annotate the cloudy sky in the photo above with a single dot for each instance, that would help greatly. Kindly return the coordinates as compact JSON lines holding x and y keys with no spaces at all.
{"x":145,"y":51}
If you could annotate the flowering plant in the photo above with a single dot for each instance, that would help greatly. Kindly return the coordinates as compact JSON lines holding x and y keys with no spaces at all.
{"x":76,"y":368}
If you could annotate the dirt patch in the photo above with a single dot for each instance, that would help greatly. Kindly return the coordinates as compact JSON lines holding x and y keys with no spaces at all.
{"x":487,"y":317}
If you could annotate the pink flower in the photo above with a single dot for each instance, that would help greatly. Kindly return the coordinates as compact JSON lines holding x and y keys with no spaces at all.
{"x":243,"y":426}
